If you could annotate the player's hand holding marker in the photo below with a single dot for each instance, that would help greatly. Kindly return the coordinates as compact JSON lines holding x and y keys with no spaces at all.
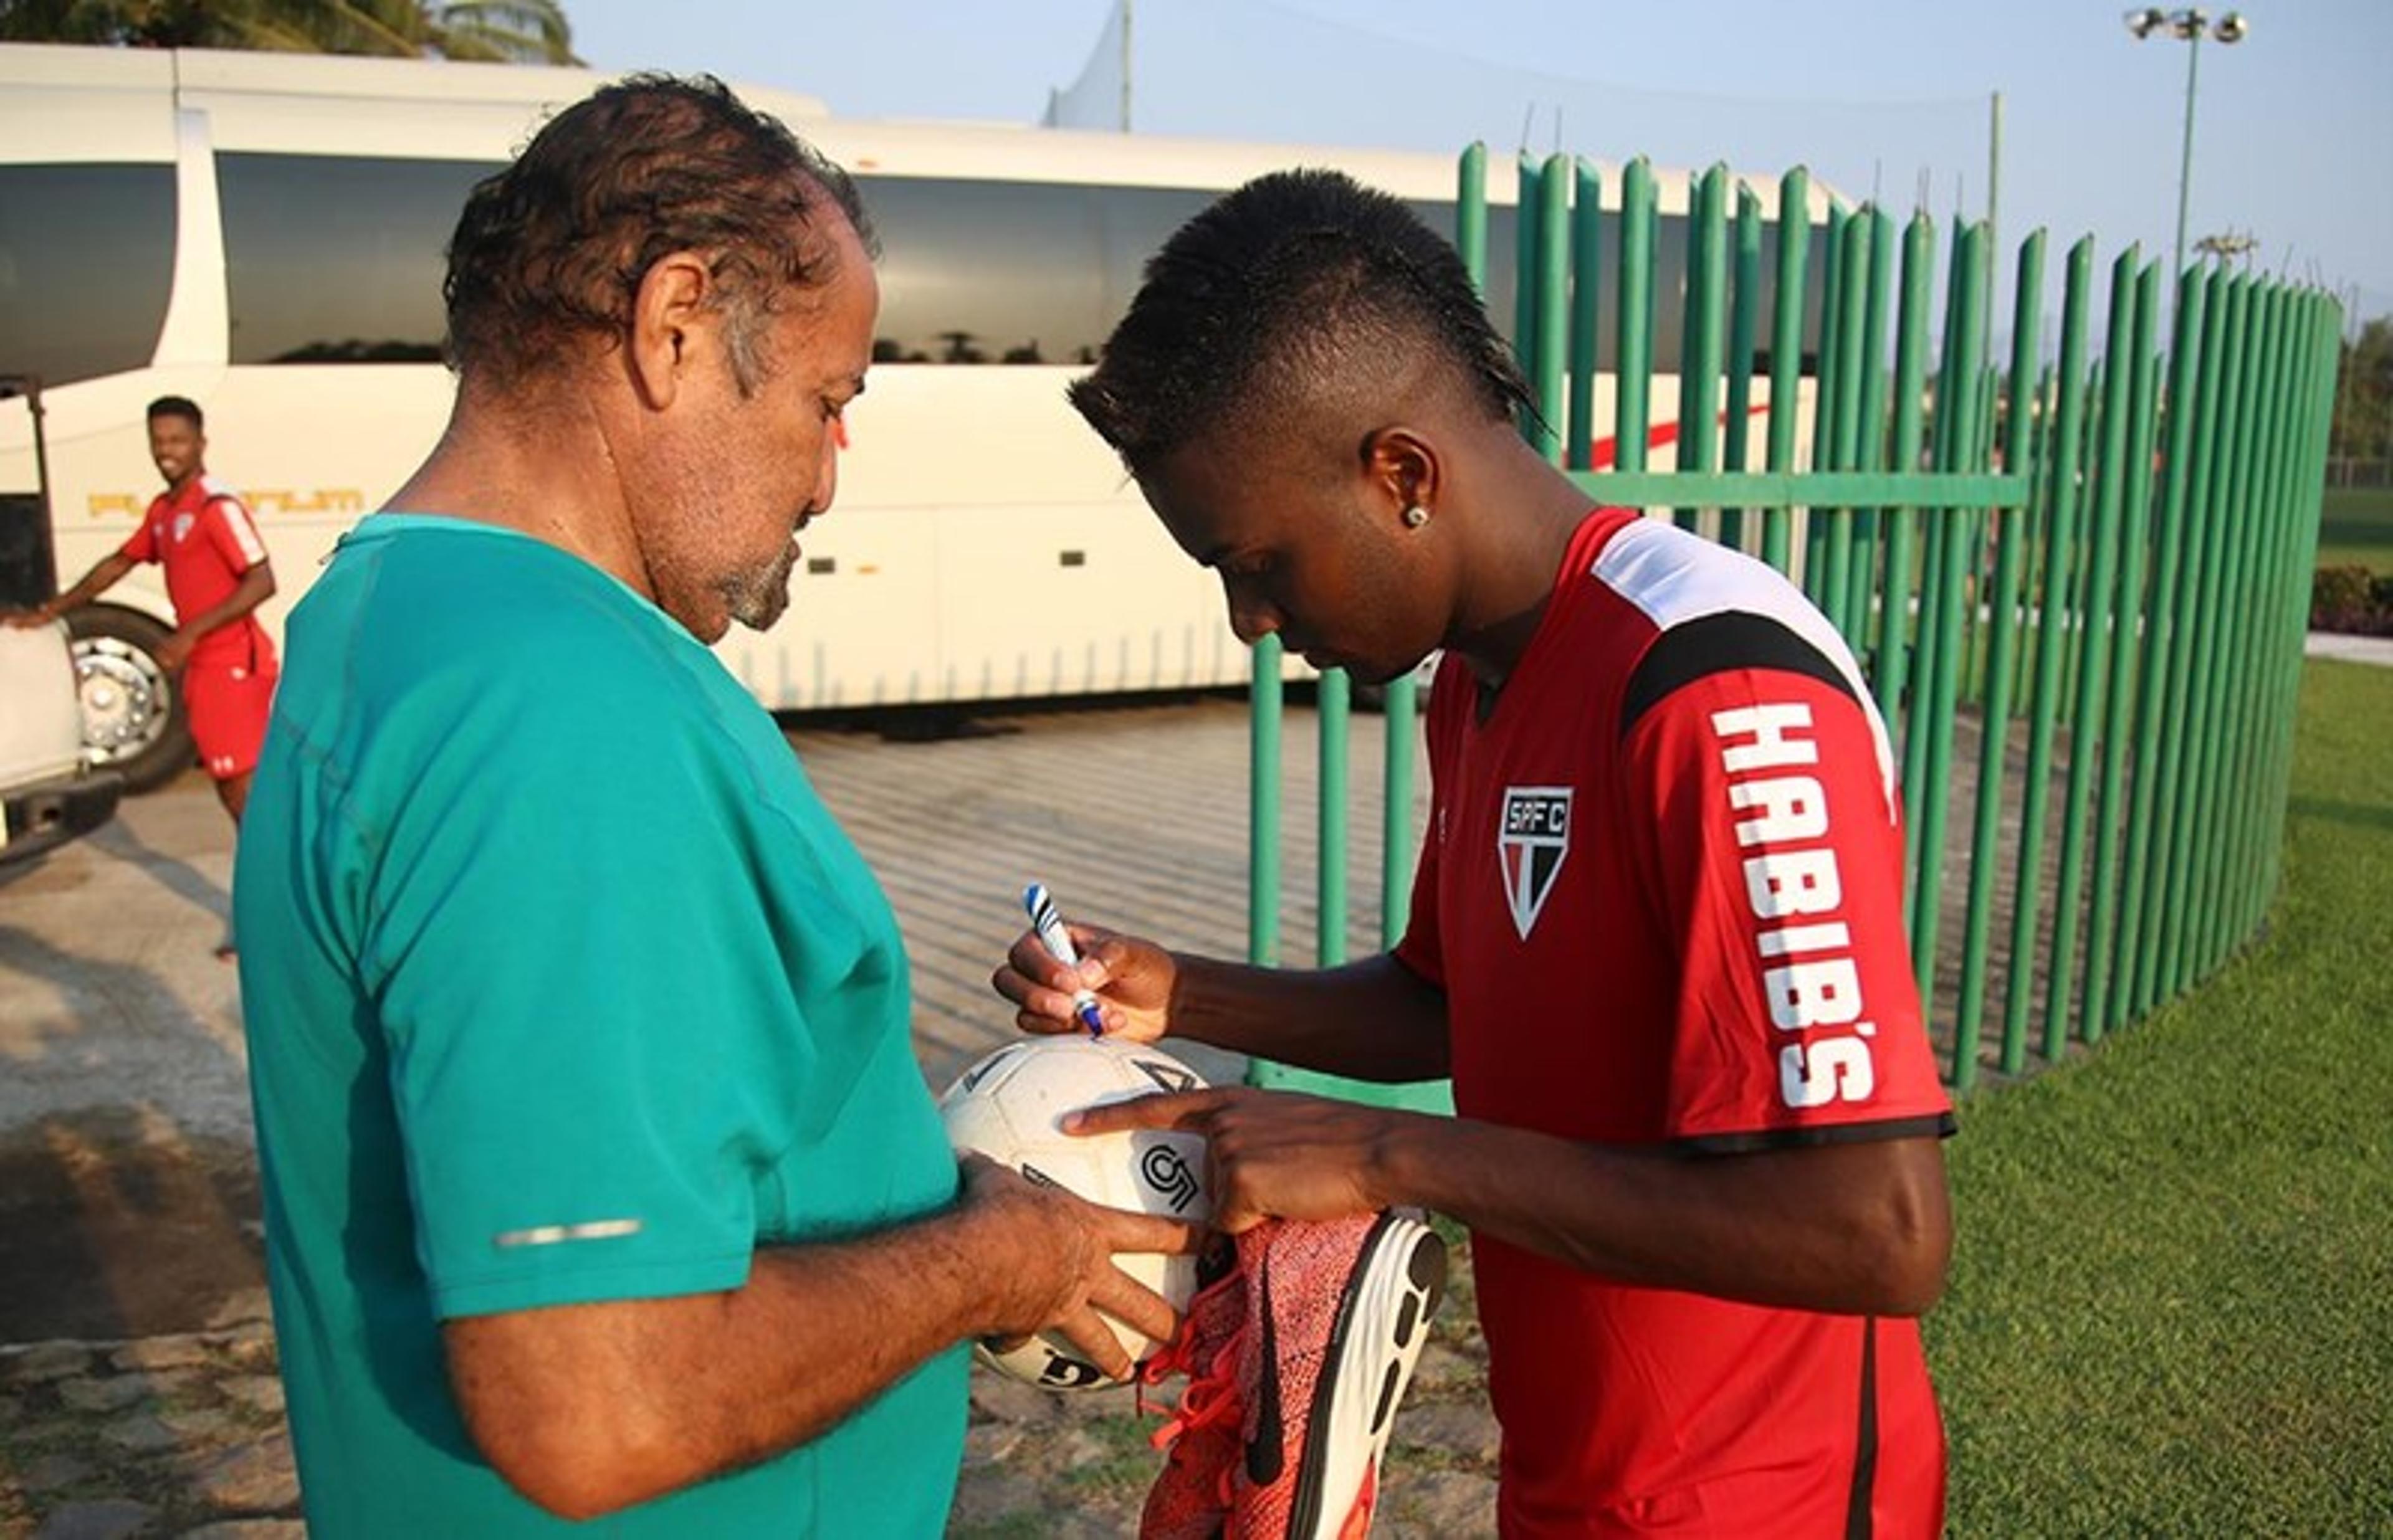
{"x":1128,"y":980}
{"x":1272,"y":1154}
{"x":1048,"y":926}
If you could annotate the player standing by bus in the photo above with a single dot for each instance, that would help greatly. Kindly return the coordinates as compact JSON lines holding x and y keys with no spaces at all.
{"x":217,"y":575}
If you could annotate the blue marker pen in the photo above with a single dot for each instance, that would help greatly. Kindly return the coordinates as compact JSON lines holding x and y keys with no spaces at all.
{"x":1058,"y":942}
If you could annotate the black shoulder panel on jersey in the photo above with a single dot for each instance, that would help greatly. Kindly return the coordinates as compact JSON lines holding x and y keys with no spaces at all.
{"x":1716,"y":644}
{"x":1938,"y":1124}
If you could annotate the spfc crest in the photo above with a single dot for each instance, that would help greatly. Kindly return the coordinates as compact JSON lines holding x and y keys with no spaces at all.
{"x":1530,"y":842}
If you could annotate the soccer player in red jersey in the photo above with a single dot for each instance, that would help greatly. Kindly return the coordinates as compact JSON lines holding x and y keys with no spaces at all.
{"x":1655,"y":939}
{"x":217,"y":575}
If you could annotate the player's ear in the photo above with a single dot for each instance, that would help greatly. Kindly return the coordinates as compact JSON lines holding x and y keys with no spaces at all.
{"x":669,"y":306}
{"x":1401,"y":464}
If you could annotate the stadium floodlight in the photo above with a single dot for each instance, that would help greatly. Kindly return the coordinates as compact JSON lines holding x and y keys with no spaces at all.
{"x":2188,"y":26}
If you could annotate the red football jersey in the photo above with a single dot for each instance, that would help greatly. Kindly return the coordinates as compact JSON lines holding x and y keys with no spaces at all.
{"x":204,"y":537}
{"x":1662,"y":890}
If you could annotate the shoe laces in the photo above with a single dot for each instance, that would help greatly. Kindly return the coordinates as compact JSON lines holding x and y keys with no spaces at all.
{"x":1211,"y":1397}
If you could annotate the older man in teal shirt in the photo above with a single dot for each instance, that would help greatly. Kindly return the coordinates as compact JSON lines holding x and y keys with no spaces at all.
{"x":600,"y":1178}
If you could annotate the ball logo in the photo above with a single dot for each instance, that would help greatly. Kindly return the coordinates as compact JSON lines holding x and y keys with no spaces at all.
{"x":1169,"y":1074}
{"x":1166,"y":1170}
{"x":1069,"y":1374}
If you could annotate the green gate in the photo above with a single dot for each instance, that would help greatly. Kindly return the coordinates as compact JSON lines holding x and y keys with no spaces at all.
{"x":2078,"y":588}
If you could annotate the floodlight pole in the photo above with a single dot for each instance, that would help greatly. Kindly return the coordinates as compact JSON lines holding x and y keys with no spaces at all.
{"x":2187,"y":27}
{"x":2185,"y":161}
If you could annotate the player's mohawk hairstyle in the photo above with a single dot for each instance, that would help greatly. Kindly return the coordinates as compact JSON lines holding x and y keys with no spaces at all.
{"x":1262,"y":291}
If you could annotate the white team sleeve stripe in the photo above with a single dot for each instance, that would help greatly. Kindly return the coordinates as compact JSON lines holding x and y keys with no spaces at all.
{"x":1674,"y":577}
{"x":243,"y":528}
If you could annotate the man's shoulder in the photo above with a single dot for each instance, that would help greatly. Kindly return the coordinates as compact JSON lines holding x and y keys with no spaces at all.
{"x":211,"y":490}
{"x":495,"y":620}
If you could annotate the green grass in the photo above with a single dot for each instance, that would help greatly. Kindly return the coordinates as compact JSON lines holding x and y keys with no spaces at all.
{"x":2171,"y":1308}
{"x":2355,"y":529}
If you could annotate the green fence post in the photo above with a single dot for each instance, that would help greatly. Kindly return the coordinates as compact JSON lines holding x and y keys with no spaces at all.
{"x":1928,"y":628}
{"x":2215,"y":685}
{"x":1744,"y":317}
{"x":2110,"y":817}
{"x":1528,"y":214}
{"x":1262,"y":805}
{"x":1550,"y":355}
{"x":2010,"y":542}
{"x":2071,"y":412}
{"x":2155,"y":958}
{"x":2322,"y":345}
{"x":1788,"y":304}
{"x":2092,"y":643}
{"x":2286,"y":600}
{"x":2181,"y":927}
{"x":1863,"y":585}
{"x":1825,"y":402}
{"x":1636,"y":326}
{"x":2239,"y":914}
{"x":2248,"y":880}
{"x":2322,"y":324}
{"x":1962,"y":453}
{"x":1586,"y":321}
{"x":1703,"y":330}
{"x":1471,"y":216}
{"x":1859,"y":298}
{"x":1910,"y":383}
{"x":1333,"y":710}
{"x":2162,"y":654}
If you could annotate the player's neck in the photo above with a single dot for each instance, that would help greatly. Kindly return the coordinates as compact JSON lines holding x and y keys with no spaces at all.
{"x":1522,"y":527}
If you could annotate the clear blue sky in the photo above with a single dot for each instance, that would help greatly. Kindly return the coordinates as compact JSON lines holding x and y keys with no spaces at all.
{"x":2293,"y":141}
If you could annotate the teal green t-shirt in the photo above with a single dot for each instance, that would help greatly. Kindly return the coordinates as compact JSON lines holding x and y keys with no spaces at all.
{"x":560,"y":986}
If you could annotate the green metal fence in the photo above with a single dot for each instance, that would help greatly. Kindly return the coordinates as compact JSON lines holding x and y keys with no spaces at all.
{"x":2078,"y":588}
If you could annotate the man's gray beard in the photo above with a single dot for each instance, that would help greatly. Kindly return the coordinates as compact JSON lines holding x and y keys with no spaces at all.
{"x":757,"y":599}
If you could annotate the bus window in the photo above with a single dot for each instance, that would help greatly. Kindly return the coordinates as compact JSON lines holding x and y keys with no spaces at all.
{"x":86,"y":262}
{"x":1136,"y":222}
{"x":338,"y":259}
{"x":983,"y":272}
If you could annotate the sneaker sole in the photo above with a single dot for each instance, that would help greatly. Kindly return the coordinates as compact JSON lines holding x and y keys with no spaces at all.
{"x":1397,"y":1282}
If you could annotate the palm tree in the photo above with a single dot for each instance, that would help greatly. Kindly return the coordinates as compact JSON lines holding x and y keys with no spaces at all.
{"x":520,"y":31}
{"x":509,"y":33}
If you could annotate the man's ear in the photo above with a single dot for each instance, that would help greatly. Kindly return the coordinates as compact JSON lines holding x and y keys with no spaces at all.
{"x":1404,"y":463}
{"x":672,"y":306}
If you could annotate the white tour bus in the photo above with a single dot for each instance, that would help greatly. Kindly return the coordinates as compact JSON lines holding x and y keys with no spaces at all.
{"x":264,"y":233}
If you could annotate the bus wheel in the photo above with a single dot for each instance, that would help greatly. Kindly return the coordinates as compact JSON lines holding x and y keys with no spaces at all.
{"x":133,"y":718}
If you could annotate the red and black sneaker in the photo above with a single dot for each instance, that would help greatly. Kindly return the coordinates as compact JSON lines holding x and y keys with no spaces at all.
{"x":1336,"y":1316}
{"x":1190,"y":1499}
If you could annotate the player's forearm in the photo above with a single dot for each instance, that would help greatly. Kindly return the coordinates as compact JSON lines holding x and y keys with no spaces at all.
{"x":1372,"y":1020}
{"x":590,"y":1408}
{"x":104,"y":575}
{"x":1850,"y":1229}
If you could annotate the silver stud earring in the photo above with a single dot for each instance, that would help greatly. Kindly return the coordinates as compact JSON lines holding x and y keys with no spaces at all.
{"x":1415,"y":515}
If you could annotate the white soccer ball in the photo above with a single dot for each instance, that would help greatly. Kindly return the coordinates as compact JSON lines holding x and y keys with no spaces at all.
{"x":1009,"y":1106}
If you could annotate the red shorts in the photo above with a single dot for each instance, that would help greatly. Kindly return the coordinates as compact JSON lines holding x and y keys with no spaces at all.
{"x":229,"y":703}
